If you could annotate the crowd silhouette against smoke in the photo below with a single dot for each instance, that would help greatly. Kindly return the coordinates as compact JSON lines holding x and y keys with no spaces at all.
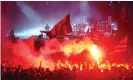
{"x":119,"y":72}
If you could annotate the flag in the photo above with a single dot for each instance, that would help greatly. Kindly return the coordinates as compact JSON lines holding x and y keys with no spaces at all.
{"x":121,"y":47}
{"x":30,"y":42}
{"x":61,"y":28}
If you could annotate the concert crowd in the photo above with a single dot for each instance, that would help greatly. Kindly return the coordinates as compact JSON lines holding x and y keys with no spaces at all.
{"x":10,"y":72}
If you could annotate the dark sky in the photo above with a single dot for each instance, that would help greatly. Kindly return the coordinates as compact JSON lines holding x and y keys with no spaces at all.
{"x":29,"y":17}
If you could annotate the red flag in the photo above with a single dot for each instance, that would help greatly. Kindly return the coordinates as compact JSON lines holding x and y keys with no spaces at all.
{"x":121,"y":47}
{"x":61,"y":28}
{"x":30,"y":42}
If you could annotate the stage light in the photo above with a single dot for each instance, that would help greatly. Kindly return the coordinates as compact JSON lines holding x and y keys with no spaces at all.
{"x":31,"y":15}
{"x":86,"y":28}
{"x":17,"y":34}
{"x":114,"y":25}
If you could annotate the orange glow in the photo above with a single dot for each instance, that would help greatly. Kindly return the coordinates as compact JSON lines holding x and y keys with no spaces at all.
{"x":101,"y":70}
{"x":76,"y":46}
{"x":81,"y":67}
{"x":118,"y":65}
{"x":95,"y":52}
{"x":101,"y":66}
{"x":127,"y":66}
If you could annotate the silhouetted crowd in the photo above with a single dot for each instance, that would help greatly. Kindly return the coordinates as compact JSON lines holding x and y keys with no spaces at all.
{"x":19,"y":73}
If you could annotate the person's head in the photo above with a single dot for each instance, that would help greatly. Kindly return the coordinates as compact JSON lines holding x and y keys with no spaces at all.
{"x":19,"y":66}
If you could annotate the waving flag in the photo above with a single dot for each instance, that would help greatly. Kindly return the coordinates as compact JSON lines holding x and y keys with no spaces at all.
{"x":30,"y":42}
{"x":61,"y":28}
{"x":121,"y":47}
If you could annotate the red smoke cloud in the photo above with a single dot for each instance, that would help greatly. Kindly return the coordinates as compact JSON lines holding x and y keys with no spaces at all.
{"x":72,"y":50}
